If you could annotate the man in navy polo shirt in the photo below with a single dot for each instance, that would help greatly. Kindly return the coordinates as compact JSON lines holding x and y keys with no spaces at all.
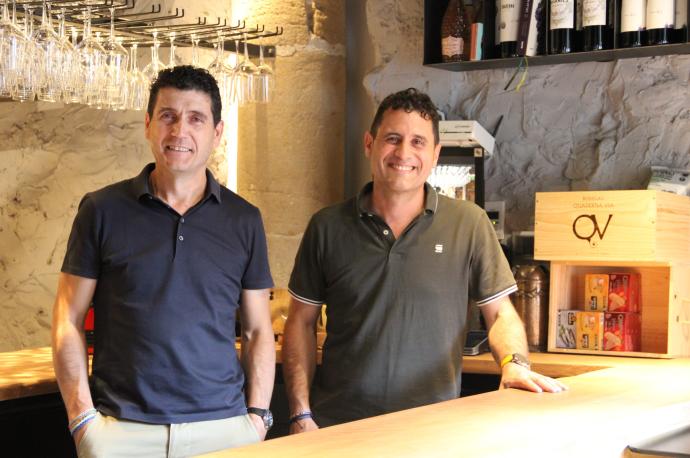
{"x":167,"y":258}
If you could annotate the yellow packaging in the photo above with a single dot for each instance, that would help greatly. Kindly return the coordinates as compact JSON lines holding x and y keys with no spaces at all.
{"x":590,"y":331}
{"x":596,"y":292}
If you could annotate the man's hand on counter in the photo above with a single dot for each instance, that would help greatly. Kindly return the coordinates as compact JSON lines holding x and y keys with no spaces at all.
{"x":516,"y":376}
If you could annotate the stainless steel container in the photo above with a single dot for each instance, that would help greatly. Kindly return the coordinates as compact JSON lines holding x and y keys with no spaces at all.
{"x":531,"y":302}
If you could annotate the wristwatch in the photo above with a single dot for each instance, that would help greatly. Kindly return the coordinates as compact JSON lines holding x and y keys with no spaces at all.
{"x":265,"y":415}
{"x":516,"y":358}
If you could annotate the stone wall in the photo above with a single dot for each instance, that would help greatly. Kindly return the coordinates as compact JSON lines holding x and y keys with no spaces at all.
{"x":571,"y":127}
{"x":290,"y":158}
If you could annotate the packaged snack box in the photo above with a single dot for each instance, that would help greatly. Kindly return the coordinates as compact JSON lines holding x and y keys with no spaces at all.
{"x":596,"y":292}
{"x":622,"y":332}
{"x":590,"y":331}
{"x":624,"y":293}
{"x":566,"y":329}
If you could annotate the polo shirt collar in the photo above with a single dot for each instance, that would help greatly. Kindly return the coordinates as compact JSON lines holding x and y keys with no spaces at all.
{"x":364,"y":199}
{"x":142,"y":185}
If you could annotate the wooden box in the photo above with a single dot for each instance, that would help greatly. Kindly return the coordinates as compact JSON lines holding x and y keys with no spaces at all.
{"x":636,"y":226}
{"x":664,"y":299}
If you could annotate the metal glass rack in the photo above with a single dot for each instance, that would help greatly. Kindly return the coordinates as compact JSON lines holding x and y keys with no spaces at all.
{"x":138,"y":26}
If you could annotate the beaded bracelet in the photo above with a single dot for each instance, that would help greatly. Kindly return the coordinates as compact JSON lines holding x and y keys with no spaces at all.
{"x":301,"y":416}
{"x":81,"y":420}
{"x":81,"y":416}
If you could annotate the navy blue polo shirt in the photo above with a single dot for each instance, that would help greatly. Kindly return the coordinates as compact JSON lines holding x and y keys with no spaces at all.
{"x":168,"y":289}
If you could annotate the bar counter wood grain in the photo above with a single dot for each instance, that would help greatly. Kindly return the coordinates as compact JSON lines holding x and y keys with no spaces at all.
{"x":601,"y":413}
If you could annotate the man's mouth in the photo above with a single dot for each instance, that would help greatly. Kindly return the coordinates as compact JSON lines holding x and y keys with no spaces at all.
{"x":402,"y":168}
{"x":179,"y":149}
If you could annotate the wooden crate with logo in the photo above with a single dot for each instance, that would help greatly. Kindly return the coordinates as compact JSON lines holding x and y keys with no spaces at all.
{"x":596,"y":232}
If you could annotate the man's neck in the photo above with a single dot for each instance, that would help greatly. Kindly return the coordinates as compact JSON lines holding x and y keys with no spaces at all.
{"x":180,"y":192}
{"x":398,"y":210}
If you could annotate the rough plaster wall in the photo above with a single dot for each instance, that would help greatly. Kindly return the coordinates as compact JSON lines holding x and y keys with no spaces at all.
{"x":291,"y":150}
{"x":571,"y":127}
{"x":53,"y":154}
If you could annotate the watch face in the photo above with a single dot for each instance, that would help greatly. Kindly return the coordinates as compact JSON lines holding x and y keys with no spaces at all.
{"x":268,"y":419}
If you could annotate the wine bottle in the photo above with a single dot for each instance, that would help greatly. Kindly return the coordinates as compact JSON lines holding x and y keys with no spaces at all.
{"x":510,"y":17}
{"x":597,"y":25}
{"x":660,"y":17}
{"x":477,"y":30}
{"x":455,"y":33}
{"x":633,"y":23}
{"x":562,"y":26}
{"x":680,"y":33}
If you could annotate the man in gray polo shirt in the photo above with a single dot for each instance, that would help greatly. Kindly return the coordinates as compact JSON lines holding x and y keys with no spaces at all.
{"x":396,"y":266}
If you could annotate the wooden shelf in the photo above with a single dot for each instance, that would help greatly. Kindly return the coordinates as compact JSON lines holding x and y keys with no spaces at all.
{"x":593,"y":56}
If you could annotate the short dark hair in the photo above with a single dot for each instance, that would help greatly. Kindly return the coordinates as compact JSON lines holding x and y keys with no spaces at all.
{"x":187,"y":78}
{"x":409,"y":100}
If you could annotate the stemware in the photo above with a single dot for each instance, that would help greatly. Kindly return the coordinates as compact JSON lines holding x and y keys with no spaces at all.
{"x":173,"y":61}
{"x":48,"y":65}
{"x":137,"y":84}
{"x":71,"y":85}
{"x":265,"y":79}
{"x":23,"y":89}
{"x":247,"y":73}
{"x":115,"y":69}
{"x":221,"y":71}
{"x":151,"y":70}
{"x":12,"y":42}
{"x":91,"y":56}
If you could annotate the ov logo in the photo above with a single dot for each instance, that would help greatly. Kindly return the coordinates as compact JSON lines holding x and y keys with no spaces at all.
{"x":589,"y":228}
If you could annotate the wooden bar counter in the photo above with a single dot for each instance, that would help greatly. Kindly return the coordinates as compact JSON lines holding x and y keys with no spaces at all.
{"x":612,"y":402}
{"x":601,"y":413}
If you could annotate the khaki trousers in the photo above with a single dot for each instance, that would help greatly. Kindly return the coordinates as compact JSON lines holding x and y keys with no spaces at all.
{"x":107,"y":437}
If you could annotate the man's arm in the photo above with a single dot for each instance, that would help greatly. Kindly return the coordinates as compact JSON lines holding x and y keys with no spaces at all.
{"x":70,"y":359}
{"x":507,"y":336}
{"x":299,"y":360}
{"x":258,"y":351}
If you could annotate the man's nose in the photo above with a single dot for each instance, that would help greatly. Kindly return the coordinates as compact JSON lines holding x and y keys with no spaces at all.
{"x":179,"y":127}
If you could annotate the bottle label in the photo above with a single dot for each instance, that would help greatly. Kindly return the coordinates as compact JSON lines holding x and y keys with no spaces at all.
{"x":562,"y":14}
{"x":452,"y":46}
{"x":633,"y":15}
{"x":681,"y":14}
{"x":660,"y":14}
{"x":510,"y":17}
{"x":593,"y":12}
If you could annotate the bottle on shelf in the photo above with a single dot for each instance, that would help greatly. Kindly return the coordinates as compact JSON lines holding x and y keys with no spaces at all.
{"x":508,"y":29}
{"x":597,"y":25}
{"x":660,"y":17}
{"x":633,"y":24}
{"x":477,"y":30}
{"x":680,"y":32}
{"x":562,"y":26}
{"x":455,"y":33}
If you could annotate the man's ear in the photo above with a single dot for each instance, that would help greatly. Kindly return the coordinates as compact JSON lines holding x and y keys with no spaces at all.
{"x":147,"y":123}
{"x":368,"y":141}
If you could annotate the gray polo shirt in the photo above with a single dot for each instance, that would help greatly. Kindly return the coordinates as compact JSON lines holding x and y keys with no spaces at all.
{"x":168,"y":288}
{"x":396,"y":308}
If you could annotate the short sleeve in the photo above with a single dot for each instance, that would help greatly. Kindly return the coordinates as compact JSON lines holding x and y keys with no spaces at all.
{"x":490,"y":274}
{"x":82,"y":257}
{"x":257,"y":274}
{"x":306,"y":281}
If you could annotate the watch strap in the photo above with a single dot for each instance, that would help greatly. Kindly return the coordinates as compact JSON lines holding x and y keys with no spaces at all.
{"x":256,"y":411}
{"x":516,"y":358}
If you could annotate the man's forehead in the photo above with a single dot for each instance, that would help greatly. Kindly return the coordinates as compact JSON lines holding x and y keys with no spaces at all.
{"x":170,"y":97}
{"x":391,"y":115}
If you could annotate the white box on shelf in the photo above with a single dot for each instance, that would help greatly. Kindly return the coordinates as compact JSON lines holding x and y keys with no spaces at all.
{"x":466,"y":134}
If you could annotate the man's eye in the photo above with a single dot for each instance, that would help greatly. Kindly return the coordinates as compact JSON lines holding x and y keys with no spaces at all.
{"x":167,"y":116}
{"x":393,"y":140}
{"x":418,"y":142}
